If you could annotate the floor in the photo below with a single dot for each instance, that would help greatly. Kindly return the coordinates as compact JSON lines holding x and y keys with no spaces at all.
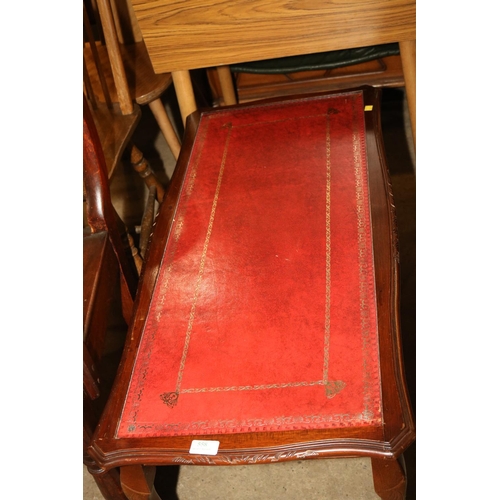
{"x":305,"y":480}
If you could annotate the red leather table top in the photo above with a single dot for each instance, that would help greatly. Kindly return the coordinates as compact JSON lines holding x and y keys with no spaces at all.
{"x":263,"y":316}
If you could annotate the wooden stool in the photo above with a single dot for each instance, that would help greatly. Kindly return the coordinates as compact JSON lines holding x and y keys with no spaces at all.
{"x":266,"y":325}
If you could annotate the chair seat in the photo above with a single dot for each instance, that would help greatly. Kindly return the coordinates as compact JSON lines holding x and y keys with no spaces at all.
{"x":144,"y":84}
{"x":320,"y":60}
{"x":115,"y":131}
{"x":377,"y":66}
{"x":94,"y":249}
{"x":266,"y":316}
{"x":99,"y":267}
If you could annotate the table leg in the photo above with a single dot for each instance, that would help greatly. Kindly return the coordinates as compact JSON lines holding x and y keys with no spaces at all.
{"x":137,"y":482}
{"x":185,"y":94}
{"x":107,"y":482}
{"x":389,"y":479}
{"x":408,"y":51}
{"x":227,"y":85}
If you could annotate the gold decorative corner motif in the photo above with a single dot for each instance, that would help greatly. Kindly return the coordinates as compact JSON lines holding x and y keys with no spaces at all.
{"x":170,"y":398}
{"x":333,"y":387}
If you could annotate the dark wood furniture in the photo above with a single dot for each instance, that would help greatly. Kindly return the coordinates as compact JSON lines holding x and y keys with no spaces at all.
{"x":109,"y":286}
{"x":267,"y":320}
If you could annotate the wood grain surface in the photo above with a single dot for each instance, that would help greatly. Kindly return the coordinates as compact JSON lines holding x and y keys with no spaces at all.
{"x":199,"y":33}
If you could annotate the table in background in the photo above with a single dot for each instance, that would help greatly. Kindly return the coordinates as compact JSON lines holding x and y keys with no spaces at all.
{"x":193,"y":34}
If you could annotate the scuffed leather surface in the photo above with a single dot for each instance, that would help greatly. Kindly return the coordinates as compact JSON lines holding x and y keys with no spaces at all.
{"x":264,"y":314}
{"x":321,"y":60}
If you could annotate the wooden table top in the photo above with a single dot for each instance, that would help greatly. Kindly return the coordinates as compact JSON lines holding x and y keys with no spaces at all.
{"x":202,"y":33}
{"x":359,"y":400}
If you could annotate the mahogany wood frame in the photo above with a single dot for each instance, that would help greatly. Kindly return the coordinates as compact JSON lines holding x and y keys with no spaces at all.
{"x":107,"y":264}
{"x":101,"y":215}
{"x":383,"y":444}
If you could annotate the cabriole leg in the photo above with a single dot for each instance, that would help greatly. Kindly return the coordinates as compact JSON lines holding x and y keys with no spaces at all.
{"x":137,"y":482}
{"x":389,"y":479}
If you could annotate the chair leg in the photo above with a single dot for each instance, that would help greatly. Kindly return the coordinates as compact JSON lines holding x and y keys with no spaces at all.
{"x":137,"y":482}
{"x":166,"y":127}
{"x":184,"y":92}
{"x":136,"y":255}
{"x":389,"y":478}
{"x":409,"y":60}
{"x":141,"y":166}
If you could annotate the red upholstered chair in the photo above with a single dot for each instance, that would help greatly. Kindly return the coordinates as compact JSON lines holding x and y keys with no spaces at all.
{"x":266,"y":326}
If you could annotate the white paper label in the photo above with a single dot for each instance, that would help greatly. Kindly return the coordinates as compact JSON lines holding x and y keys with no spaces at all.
{"x":204,"y":447}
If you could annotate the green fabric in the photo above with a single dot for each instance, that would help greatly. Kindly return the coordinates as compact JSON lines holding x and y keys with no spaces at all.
{"x":321,"y":60}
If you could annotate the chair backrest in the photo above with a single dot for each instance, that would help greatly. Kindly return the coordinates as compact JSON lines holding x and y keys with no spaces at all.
{"x":127,"y":28}
{"x":118,"y":79}
{"x":101,"y":42}
{"x":105,"y":84}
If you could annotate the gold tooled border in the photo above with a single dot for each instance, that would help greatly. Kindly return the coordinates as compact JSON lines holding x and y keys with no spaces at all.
{"x":331,"y":387}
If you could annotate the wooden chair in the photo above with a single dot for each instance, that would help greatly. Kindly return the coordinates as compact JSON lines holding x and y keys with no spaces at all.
{"x":109,"y":287}
{"x":378,"y":66}
{"x":115,"y":24}
{"x":106,"y":86}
